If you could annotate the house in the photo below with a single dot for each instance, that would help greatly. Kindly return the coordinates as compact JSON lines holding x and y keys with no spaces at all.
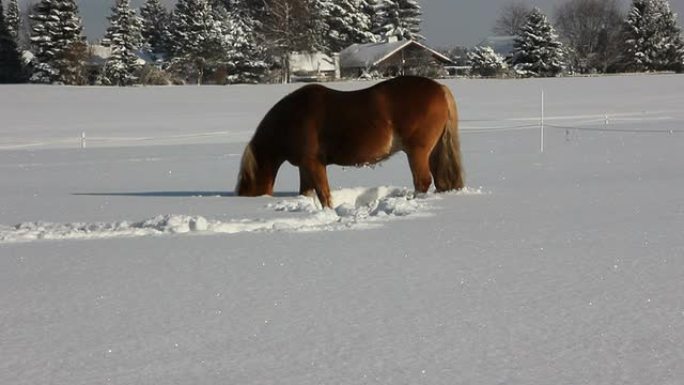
{"x":99,"y":54}
{"x":391,"y":58}
{"x":315,"y":66}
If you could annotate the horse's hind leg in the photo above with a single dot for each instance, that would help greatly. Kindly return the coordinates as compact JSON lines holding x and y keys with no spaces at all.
{"x":420,"y":168}
{"x":315,"y":173}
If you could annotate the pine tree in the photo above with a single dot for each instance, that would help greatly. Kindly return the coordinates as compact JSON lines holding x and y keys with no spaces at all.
{"x":123,"y":36}
{"x":197,"y":38}
{"x":370,"y":10}
{"x":315,"y":26}
{"x":411,"y":12}
{"x":537,"y":52}
{"x":13,"y":19}
{"x":255,"y":9}
{"x":670,"y":54}
{"x":58,"y":45}
{"x":400,"y":19}
{"x":639,"y":34}
{"x":10,"y":60}
{"x":347,"y":23}
{"x":485,"y":62}
{"x":652,"y":38}
{"x":220,"y":9}
{"x":155,"y":28}
{"x":245,"y":57}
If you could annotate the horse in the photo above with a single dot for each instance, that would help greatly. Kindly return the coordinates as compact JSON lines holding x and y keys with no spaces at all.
{"x":316,"y":126}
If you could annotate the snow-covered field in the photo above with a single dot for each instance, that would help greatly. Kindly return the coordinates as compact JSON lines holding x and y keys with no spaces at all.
{"x":132,"y":262}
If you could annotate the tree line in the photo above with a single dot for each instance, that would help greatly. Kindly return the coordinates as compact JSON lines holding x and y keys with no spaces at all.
{"x":587,"y":36}
{"x":250,"y":41}
{"x":225,"y":41}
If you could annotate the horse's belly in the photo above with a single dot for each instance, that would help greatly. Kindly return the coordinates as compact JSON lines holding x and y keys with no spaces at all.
{"x":363,"y":150}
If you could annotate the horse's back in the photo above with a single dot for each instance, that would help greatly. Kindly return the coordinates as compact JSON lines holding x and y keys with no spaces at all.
{"x":353,"y":127}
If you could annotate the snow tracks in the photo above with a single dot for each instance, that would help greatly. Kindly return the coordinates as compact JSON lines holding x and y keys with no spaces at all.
{"x":355,"y":209}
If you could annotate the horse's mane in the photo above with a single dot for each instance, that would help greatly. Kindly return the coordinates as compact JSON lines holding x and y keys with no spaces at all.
{"x":248,"y":167}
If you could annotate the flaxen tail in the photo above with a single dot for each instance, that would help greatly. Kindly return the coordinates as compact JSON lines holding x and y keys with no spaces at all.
{"x":445,"y":161}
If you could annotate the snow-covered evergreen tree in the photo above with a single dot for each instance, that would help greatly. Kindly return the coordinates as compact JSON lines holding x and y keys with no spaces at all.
{"x":315,"y":26}
{"x":155,"y":28}
{"x":670,"y":55}
{"x":248,"y":54}
{"x":13,"y":19}
{"x":400,"y":19}
{"x":537,"y":52}
{"x":124,"y":38}
{"x":373,"y":11}
{"x":639,"y":35}
{"x":256,"y":9}
{"x":369,"y":9}
{"x":57,"y":43}
{"x":10,"y":60}
{"x":652,"y":38}
{"x":347,"y":23}
{"x":245,"y":57}
{"x":485,"y":62}
{"x":196,"y":37}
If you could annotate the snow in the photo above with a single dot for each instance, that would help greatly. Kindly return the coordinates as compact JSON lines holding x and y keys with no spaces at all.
{"x":355,"y":208}
{"x":132,"y":262}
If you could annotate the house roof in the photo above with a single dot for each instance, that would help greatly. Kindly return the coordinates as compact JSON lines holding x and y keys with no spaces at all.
{"x":371,"y":54}
{"x":99,"y":55}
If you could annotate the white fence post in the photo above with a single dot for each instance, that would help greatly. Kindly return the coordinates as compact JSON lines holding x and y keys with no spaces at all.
{"x":542,"y":121}
{"x":83,"y":140}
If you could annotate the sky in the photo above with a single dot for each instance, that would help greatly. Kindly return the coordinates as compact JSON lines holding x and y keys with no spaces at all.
{"x":445,"y":22}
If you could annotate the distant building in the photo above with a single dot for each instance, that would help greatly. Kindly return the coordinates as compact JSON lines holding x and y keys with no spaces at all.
{"x":315,"y":66}
{"x":99,"y":54}
{"x":391,"y":58}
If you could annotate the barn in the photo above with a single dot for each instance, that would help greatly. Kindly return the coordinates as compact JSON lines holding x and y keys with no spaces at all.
{"x":392,"y":58}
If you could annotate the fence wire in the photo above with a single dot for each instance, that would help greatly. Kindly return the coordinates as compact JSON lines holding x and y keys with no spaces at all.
{"x":612,"y":125}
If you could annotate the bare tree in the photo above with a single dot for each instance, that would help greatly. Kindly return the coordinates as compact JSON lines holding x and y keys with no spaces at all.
{"x":26,"y":25}
{"x":590,"y":29}
{"x":511,"y":18}
{"x":291,"y":26}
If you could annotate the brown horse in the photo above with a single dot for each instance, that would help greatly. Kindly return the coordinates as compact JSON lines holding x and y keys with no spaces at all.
{"x":316,"y":126}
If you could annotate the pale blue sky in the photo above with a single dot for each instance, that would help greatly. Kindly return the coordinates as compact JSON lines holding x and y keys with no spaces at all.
{"x":445,"y":22}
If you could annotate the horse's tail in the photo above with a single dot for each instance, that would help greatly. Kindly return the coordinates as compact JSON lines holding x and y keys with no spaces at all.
{"x":247,"y":175}
{"x":445,"y":159}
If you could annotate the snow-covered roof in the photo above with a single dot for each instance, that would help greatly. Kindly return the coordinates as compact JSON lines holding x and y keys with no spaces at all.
{"x":27,"y":57}
{"x":99,"y":55}
{"x":503,"y":45}
{"x":371,"y":54}
{"x":311,"y":62}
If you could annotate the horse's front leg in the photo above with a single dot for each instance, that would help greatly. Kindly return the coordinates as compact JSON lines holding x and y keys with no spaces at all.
{"x":315,"y":172}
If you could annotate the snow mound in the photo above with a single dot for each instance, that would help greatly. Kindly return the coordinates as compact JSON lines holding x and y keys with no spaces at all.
{"x":354,"y":209}
{"x":357,"y":203}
